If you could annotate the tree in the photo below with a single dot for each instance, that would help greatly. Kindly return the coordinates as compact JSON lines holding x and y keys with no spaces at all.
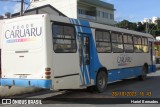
{"x":158,"y":24}
{"x":140,"y":27}
{"x":123,"y":24}
{"x":1,"y":17}
{"x":127,"y":25}
{"x":153,"y":29}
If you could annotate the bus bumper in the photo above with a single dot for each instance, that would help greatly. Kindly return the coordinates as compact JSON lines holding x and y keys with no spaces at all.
{"x":47,"y":84}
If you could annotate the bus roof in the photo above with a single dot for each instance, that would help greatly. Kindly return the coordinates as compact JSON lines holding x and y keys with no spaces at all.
{"x":84,"y":23}
{"x":98,"y":26}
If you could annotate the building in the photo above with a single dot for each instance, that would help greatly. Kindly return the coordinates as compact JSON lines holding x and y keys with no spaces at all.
{"x":92,"y":10}
{"x":154,"y":19}
{"x":45,"y":9}
{"x":146,"y":20}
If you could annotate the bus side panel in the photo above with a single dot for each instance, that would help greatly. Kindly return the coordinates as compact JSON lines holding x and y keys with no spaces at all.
{"x":125,"y":65}
{"x":66,"y":70}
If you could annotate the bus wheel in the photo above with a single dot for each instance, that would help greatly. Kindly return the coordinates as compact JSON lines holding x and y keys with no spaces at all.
{"x":144,"y":73}
{"x":101,"y":81}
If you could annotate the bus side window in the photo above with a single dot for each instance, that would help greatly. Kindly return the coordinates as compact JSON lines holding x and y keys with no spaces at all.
{"x":117,"y":42}
{"x":63,"y":38}
{"x":137,"y":44}
{"x":103,"y":41}
{"x":128,"y":43}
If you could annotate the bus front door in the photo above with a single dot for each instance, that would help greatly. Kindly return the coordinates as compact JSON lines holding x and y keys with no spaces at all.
{"x":84,"y":58}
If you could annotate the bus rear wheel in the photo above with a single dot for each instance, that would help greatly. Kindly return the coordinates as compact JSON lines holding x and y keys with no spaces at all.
{"x":144,"y":73}
{"x":101,"y":81}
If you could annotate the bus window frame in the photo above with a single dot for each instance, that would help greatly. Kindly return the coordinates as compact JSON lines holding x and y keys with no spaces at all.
{"x":145,"y":44}
{"x":64,"y":24}
{"x":117,"y":42}
{"x":109,"y":42}
{"x":126,"y":34}
{"x":137,"y":43}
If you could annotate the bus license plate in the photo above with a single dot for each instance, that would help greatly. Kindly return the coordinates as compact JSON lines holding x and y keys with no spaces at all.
{"x":23,"y":76}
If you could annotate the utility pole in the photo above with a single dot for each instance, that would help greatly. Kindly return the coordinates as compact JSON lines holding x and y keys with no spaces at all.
{"x":147,"y":27}
{"x":21,"y":12}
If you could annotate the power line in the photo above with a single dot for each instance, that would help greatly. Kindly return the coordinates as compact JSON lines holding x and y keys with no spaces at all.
{"x":36,"y":7}
{"x":29,"y":4}
{"x":26,"y":2}
{"x":14,"y":1}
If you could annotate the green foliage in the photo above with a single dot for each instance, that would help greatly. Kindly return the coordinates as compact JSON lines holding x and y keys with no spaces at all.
{"x":153,"y":29}
{"x":157,"y":33}
{"x":127,"y":25}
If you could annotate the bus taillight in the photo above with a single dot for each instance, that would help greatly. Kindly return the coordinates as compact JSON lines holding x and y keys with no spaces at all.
{"x":47,"y":77}
{"x":47,"y":71}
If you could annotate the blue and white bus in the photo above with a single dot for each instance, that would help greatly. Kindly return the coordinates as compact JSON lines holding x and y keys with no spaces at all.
{"x":55,"y":52}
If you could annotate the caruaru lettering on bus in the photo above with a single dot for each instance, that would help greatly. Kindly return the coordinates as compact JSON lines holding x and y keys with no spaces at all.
{"x":23,"y":32}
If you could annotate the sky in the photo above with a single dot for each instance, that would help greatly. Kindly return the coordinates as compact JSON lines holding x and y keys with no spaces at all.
{"x":132,"y":10}
{"x":11,"y":6}
{"x":135,"y":10}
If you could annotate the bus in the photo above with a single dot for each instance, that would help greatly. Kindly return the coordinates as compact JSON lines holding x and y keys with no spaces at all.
{"x":60,"y":53}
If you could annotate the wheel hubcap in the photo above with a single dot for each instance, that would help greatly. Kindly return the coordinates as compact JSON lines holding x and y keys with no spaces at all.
{"x":101,"y":82}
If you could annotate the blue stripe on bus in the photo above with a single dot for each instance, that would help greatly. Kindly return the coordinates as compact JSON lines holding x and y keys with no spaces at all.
{"x":118,"y":74}
{"x":152,"y":68}
{"x":85,"y":70}
{"x":47,"y":84}
{"x":94,"y":60}
{"x":72,"y":22}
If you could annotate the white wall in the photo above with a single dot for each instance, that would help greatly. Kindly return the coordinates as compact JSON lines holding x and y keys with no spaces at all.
{"x":39,"y":3}
{"x":67,"y":7}
{"x":105,"y":20}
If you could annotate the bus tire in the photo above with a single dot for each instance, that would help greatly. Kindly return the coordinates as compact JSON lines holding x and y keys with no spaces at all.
{"x":144,"y":73}
{"x":101,"y":81}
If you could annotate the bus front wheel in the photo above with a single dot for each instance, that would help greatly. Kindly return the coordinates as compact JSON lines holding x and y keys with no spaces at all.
{"x":101,"y":81}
